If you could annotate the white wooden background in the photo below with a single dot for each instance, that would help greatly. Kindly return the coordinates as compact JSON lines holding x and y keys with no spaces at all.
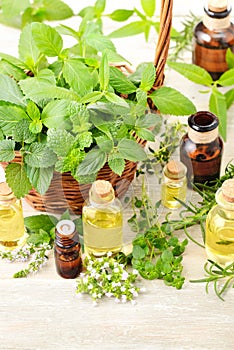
{"x":43,"y":312}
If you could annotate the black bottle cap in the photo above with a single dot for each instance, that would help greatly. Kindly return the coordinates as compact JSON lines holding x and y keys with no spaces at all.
{"x":218,"y":15}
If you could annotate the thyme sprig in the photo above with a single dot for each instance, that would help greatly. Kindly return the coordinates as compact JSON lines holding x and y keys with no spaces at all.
{"x":222,"y":278}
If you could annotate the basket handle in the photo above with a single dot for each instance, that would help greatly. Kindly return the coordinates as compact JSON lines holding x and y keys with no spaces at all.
{"x":163,"y":43}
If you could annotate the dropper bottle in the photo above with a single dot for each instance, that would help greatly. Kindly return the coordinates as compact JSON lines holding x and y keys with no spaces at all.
{"x":212,"y":37}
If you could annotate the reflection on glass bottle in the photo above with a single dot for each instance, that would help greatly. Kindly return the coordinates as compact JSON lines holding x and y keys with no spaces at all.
{"x":219,"y":238}
{"x":201,"y":148}
{"x":174,"y":184}
{"x":67,"y":250}
{"x":212,"y":37}
{"x":102,"y":220}
{"x":12,"y":230}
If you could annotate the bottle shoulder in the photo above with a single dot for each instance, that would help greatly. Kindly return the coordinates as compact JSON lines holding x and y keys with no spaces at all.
{"x":223,"y":36}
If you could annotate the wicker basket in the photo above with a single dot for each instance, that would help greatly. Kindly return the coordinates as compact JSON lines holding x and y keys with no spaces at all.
{"x":65,"y":192}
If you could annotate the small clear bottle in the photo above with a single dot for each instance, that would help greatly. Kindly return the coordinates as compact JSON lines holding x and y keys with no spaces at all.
{"x":67,"y":250}
{"x":12,"y":230}
{"x":201,"y":148}
{"x":219,"y":237}
{"x":174,"y":184}
{"x":212,"y":37}
{"x":102,"y":218}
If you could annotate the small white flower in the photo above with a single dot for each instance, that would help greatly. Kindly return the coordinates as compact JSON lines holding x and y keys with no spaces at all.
{"x":133,"y":302}
{"x":125,"y":275}
{"x":143,"y":289}
{"x":135,"y":272}
{"x":109,"y":254}
{"x":116,"y":270}
{"x":117,"y":300}
{"x":90,"y":286}
{"x":123,"y":289}
{"x":124,"y":298}
{"x":109,"y":294}
{"x":106,"y":265}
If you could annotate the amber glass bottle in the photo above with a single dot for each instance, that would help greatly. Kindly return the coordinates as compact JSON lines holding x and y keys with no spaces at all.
{"x":219,"y":237}
{"x":12,"y":230}
{"x":102,"y":218}
{"x":212,"y":37}
{"x":201,"y":148}
{"x":67,"y":250}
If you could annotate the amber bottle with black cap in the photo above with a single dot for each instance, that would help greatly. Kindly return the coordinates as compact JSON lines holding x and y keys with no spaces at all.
{"x":212,"y":37}
{"x":201,"y":148}
{"x":67,"y":250}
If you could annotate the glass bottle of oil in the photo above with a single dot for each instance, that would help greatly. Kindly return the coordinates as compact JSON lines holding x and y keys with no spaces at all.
{"x":12,"y":230}
{"x":102,"y":220}
{"x":201,"y":148}
{"x":219,"y":237}
{"x":212,"y":37}
{"x":174,"y":184}
{"x":67,"y":250}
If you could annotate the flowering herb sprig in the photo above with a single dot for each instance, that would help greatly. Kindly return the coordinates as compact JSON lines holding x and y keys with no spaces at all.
{"x":105,"y":276}
{"x":36,"y":254}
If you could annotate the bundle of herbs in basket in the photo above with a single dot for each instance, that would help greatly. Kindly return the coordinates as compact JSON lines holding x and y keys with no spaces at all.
{"x":70,"y":115}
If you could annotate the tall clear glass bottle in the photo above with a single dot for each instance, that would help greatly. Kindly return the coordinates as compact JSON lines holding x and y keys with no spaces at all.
{"x":201,"y":148}
{"x":174,"y":184}
{"x":102,"y":218}
{"x":12,"y":230}
{"x":219,"y":237}
{"x":212,"y":37}
{"x":67,"y":250}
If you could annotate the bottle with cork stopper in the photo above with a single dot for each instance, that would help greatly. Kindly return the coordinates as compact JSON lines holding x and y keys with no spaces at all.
{"x":12,"y":230}
{"x":174,"y":184}
{"x":219,"y":235}
{"x":67,"y":249}
{"x":212,"y":37}
{"x":102,"y":218}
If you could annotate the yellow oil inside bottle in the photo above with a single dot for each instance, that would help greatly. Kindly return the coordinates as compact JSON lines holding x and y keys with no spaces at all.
{"x":102,"y":230}
{"x":12,"y":231}
{"x":220,"y":241}
{"x":170,"y":191}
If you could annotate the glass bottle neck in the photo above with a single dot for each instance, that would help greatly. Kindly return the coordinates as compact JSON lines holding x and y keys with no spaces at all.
{"x":66,"y":241}
{"x":202,"y":137}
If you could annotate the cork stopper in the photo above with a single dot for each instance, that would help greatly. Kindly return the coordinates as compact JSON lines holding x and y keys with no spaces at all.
{"x":102,"y":191}
{"x":228,"y":190}
{"x":217,"y":5}
{"x":5,"y":190}
{"x":65,"y":227}
{"x":175,"y":170}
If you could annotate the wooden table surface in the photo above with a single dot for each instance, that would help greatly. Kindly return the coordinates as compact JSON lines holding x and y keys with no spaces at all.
{"x":43,"y":312}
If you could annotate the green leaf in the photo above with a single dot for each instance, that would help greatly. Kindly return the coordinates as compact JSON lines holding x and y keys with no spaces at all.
{"x":171,"y":101}
{"x":10,"y":91}
{"x":117,"y":165}
{"x":36,"y":222}
{"x":55,"y":10}
{"x":121,"y":15}
{"x":12,"y":71}
{"x":148,"y":7}
{"x":92,"y":97}
{"x":99,"y":7}
{"x":149,"y":119}
{"x":40,"y":178}
{"x":35,"y":126}
{"x":192,"y":72}
{"x":230,"y":58}
{"x":12,"y":8}
{"x":13,"y":60}
{"x":120,"y":82}
{"x":47,"y":39}
{"x":131,"y":150}
{"x":138,"y":252}
{"x":17,"y":179}
{"x":145,"y":134}
{"x":39,"y":238}
{"x":60,"y":141}
{"x":148,"y":77}
{"x":104,"y":143}
{"x":104,"y":73}
{"x":56,"y":114}
{"x":37,"y":90}
{"x":99,"y":42}
{"x":40,"y":156}
{"x":22,"y":133}
{"x":227,"y":78}
{"x":229,"y":96}
{"x":33,"y":111}
{"x":130,"y":29}
{"x":10,"y":115}
{"x":217,"y":105}
{"x":167,"y":256}
{"x":93,"y":162}
{"x":1,"y":135}
{"x":111,"y":97}
{"x":7,"y":150}
{"x":28,"y":51}
{"x":84,"y":139}
{"x":78,"y":76}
